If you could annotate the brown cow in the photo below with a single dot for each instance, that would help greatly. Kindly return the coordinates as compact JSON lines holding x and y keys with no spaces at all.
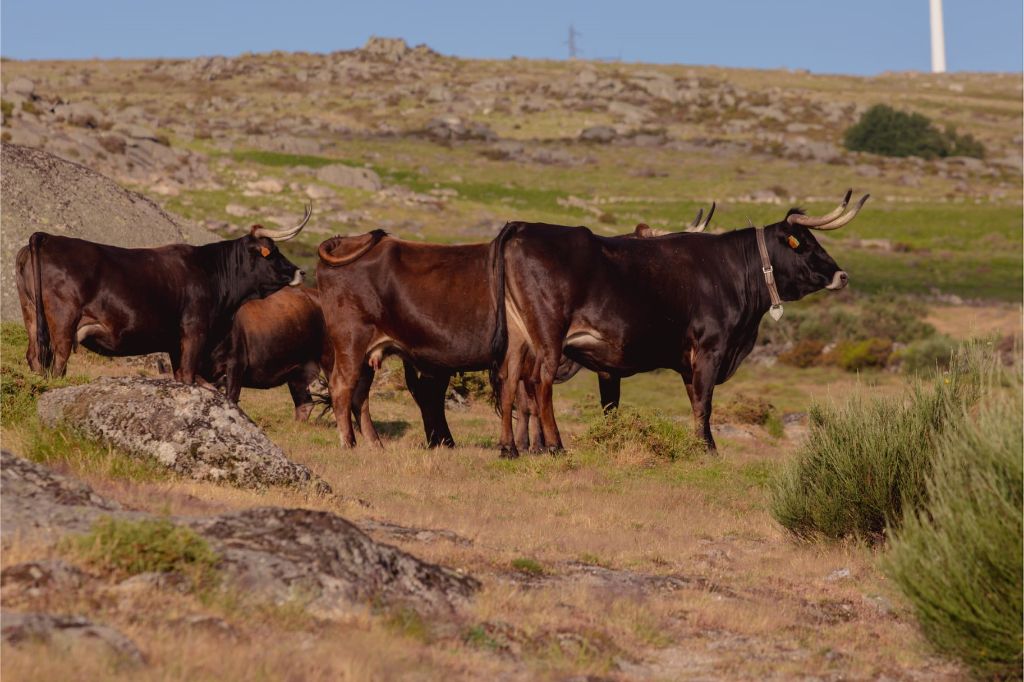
{"x":692,"y":303}
{"x":177,"y":299}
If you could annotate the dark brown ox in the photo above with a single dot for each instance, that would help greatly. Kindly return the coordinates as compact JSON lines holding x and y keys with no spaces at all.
{"x":688,"y":302}
{"x":433,"y":305}
{"x":177,"y":299}
{"x":529,"y":435}
{"x":430,"y":304}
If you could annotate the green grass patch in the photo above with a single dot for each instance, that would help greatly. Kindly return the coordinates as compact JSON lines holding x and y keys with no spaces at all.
{"x":652,"y":431}
{"x":283,"y":160}
{"x":867,"y":461}
{"x":959,"y":560}
{"x":125,"y":547}
{"x":527,"y":566}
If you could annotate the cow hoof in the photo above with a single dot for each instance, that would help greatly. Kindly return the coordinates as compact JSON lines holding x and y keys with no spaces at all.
{"x":555,"y":451}
{"x":509,"y":452}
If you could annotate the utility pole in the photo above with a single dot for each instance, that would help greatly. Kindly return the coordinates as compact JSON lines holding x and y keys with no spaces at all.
{"x":573,"y":35}
{"x":938,"y":38}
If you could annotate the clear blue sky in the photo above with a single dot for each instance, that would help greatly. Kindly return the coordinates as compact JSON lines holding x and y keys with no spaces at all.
{"x":858,"y":37}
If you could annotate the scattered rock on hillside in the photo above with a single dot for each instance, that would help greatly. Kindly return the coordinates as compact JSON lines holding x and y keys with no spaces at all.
{"x":349,"y":176}
{"x":598,"y":134}
{"x":38,"y":503}
{"x":194,"y":431}
{"x":40,"y":191}
{"x":453,"y":128}
{"x":21,"y":86}
{"x":279,"y":553}
{"x":69,"y":632}
{"x":269,"y":553}
{"x":33,"y":579}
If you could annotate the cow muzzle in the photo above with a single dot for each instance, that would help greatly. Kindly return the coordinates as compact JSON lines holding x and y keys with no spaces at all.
{"x":299,"y":274}
{"x":839,"y":280}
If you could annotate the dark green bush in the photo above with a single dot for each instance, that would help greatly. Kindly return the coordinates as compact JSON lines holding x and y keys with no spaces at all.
{"x":866,"y":461}
{"x":926,"y":355}
{"x":747,"y":409}
{"x":854,"y":356}
{"x":662,"y":437}
{"x":959,"y":560}
{"x":887,"y":131}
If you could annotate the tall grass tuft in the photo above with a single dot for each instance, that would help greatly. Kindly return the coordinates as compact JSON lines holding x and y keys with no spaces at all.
{"x":868,"y":460}
{"x":651,"y":431}
{"x":959,"y":560}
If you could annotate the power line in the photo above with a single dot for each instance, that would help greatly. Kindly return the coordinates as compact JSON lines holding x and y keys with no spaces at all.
{"x":573,"y":48}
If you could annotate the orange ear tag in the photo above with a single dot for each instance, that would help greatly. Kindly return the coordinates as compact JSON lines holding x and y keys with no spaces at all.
{"x":793,"y":242}
{"x":266,"y":252}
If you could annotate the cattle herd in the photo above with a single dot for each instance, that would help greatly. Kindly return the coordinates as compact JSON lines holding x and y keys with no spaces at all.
{"x":532,"y":307}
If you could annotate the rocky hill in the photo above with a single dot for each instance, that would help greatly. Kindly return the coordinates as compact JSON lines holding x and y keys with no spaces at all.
{"x":40,"y":191}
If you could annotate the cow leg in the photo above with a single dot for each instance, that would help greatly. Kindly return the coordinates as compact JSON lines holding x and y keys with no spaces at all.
{"x":523,"y":407}
{"x":342,"y":386}
{"x":545,"y":403}
{"x":510,"y":371}
{"x":192,"y":345}
{"x":610,"y":388}
{"x":361,"y":406}
{"x":705,"y":371}
{"x":303,"y":401}
{"x":429,"y":393}
{"x":62,"y":339}
{"x":693,"y":403}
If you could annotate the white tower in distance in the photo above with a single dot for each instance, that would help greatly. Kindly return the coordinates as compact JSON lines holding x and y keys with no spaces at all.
{"x":938,"y":38}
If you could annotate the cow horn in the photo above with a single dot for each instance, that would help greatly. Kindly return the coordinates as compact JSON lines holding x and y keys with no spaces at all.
{"x":839,"y":222}
{"x":283,"y":235}
{"x":816,"y":221}
{"x":697,"y":225}
{"x":696,"y":221}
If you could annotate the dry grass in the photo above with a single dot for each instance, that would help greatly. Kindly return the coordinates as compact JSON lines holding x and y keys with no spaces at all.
{"x":742,"y":600}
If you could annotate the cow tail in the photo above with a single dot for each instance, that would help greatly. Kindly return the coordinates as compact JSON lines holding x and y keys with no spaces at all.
{"x":499,"y":341}
{"x":44,"y":349}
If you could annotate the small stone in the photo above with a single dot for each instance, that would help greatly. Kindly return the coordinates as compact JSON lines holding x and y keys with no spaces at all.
{"x":838,"y":574}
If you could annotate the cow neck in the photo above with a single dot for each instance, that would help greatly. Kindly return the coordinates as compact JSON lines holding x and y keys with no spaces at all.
{"x":769,"y":275}
{"x":222,"y":264}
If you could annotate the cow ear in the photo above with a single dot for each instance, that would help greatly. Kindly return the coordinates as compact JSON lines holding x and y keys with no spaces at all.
{"x":252,"y":230}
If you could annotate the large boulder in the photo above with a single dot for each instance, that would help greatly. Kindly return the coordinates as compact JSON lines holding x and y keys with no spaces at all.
{"x":349,"y":176}
{"x":272,"y":554}
{"x":39,"y":191}
{"x":192,"y":430}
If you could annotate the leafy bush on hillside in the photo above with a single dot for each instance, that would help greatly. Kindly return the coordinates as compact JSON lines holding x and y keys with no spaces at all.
{"x":854,"y":356}
{"x":867,"y":461}
{"x":959,"y":560}
{"x":926,"y":355}
{"x":652,"y":431}
{"x":887,"y":131}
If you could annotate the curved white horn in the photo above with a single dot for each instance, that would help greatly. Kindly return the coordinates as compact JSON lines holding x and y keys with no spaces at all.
{"x":839,"y":222}
{"x":286,"y":234}
{"x":697,"y":225}
{"x":815,"y":221}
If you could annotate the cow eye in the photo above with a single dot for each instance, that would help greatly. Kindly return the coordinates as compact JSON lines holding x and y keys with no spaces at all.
{"x":264,"y":251}
{"x":794,"y":243}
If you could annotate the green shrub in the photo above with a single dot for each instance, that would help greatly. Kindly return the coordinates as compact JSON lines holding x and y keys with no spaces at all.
{"x":866,"y":461}
{"x":528,"y":566}
{"x":926,"y":355}
{"x":662,"y":437}
{"x":887,"y":131}
{"x":959,"y":560}
{"x":747,"y":409}
{"x":854,"y":356}
{"x":126,"y":547}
